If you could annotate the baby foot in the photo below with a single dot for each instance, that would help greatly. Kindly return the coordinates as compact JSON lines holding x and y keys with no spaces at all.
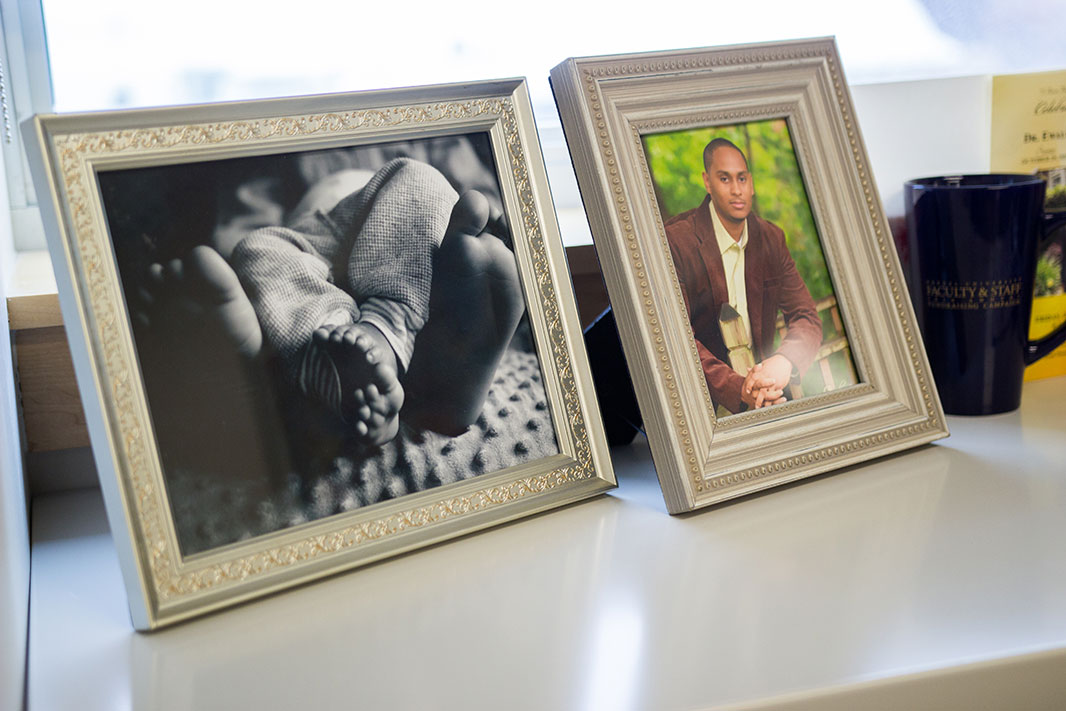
{"x":357,"y":378}
{"x":198,"y":341}
{"x":201,"y":290}
{"x":475,"y":306}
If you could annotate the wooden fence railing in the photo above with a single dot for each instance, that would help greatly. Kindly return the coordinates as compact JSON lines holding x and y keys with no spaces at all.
{"x":836,"y":342}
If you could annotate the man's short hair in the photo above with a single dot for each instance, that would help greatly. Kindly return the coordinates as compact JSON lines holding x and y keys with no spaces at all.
{"x":715,"y":144}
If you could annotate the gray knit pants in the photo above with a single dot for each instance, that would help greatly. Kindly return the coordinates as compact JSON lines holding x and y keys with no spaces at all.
{"x":370,"y":260}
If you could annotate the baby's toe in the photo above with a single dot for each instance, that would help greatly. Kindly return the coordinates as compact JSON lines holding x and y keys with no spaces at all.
{"x":470,"y":214}
{"x":155,"y":272}
{"x":174,"y":271}
{"x":394,"y":400}
{"x":361,"y":404}
{"x":378,"y":402}
{"x":380,"y":392}
{"x":366,"y":347}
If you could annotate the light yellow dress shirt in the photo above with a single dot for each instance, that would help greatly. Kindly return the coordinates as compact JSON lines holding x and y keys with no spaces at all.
{"x":733,"y":262}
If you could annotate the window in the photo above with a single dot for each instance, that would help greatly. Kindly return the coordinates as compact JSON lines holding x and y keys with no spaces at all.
{"x":125,"y":53}
{"x":25,"y":89}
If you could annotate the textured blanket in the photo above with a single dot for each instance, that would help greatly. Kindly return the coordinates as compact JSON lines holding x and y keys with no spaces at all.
{"x":514,"y":427}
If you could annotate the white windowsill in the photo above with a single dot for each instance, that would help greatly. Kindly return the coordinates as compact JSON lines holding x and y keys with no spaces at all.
{"x":32,"y":274}
{"x":930,"y":579}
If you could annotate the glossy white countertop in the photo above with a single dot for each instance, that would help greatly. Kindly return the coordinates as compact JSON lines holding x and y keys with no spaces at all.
{"x":931,"y":579}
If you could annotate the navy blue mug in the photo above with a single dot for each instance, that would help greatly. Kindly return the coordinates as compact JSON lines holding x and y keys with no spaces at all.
{"x":969,"y":257}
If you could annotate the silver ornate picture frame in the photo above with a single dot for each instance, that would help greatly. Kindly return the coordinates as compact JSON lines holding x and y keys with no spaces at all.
{"x":766,"y":136}
{"x":311,"y":333}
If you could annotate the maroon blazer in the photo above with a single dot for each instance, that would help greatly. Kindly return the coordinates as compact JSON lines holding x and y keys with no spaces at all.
{"x":772,"y":285}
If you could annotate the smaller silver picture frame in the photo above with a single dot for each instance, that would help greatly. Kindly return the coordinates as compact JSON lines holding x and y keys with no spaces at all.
{"x":609,"y":105}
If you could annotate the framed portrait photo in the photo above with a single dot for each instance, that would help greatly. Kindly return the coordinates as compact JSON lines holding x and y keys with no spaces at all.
{"x":314,"y":332}
{"x":753,"y":278}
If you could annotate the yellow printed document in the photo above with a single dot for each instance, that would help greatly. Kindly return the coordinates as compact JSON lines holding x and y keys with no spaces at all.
{"x":1029,"y":136}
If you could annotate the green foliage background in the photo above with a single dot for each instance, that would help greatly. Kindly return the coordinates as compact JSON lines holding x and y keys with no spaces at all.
{"x":1048,"y":281}
{"x":676,"y":163}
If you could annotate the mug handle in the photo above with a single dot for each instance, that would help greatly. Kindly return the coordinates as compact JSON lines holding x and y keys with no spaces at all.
{"x":1035,"y":350}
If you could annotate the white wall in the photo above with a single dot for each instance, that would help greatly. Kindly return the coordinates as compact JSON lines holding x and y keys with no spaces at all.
{"x":918,"y":129}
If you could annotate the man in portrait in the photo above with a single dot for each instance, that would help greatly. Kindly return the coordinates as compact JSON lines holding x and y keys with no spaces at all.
{"x":736,"y":275}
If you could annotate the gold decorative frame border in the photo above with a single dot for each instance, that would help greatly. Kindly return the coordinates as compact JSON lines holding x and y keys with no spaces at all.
{"x":607,"y":104}
{"x":169,"y":588}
